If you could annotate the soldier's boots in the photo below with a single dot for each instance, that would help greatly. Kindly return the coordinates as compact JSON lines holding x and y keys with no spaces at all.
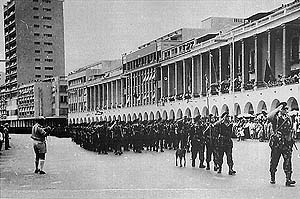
{"x":220,"y":169}
{"x":207,"y":166}
{"x":215,"y":167}
{"x":289,"y":182}
{"x":272,"y":181}
{"x":201,"y":165}
{"x":231,"y":171}
{"x":193,"y":163}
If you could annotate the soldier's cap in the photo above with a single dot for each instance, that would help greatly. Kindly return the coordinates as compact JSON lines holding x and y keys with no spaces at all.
{"x":284,"y":105}
{"x":224,"y":114}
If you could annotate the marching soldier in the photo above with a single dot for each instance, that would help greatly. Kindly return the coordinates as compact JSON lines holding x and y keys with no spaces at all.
{"x":224,"y":128}
{"x":211,"y":137}
{"x":198,"y":144}
{"x":281,"y":142}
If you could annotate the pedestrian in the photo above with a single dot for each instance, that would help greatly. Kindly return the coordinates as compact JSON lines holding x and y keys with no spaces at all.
{"x":6,"y":136}
{"x":281,"y":142}
{"x":225,"y":132}
{"x":39,"y":134}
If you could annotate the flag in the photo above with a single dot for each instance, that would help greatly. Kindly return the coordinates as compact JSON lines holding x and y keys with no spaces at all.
{"x":269,"y":76}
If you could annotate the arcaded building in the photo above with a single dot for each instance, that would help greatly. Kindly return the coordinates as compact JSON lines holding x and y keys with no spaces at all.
{"x":236,"y":65}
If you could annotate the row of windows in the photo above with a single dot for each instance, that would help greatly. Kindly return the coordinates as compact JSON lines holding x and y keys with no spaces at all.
{"x":45,"y":1}
{"x":46,"y":60}
{"x":45,"y":43}
{"x":45,"y":35}
{"x":46,"y":51}
{"x":46,"y":76}
{"x":46,"y":67}
{"x":44,"y":9}
{"x":45,"y":26}
{"x":44,"y":17}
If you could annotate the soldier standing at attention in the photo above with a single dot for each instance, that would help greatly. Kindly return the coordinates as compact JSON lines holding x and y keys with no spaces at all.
{"x":198,"y":145}
{"x":281,"y":142}
{"x":224,"y":128}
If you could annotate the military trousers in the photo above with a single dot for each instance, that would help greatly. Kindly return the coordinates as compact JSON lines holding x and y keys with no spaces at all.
{"x":286,"y":153}
{"x":228,"y":151}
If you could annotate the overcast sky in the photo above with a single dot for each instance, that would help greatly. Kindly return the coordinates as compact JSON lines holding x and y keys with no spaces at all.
{"x":98,"y":29}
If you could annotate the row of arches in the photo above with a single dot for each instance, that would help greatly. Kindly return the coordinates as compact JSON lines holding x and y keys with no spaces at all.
{"x":189,"y":112}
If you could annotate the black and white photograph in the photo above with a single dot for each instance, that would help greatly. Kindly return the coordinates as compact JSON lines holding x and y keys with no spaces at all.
{"x":149,"y":99}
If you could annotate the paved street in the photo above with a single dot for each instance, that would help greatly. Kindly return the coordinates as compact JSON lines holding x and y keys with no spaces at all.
{"x":73,"y":172}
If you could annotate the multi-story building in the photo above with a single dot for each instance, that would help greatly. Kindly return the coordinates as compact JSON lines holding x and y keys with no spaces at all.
{"x":2,"y":78}
{"x":34,"y":42}
{"x":47,"y":98}
{"x":242,"y":66}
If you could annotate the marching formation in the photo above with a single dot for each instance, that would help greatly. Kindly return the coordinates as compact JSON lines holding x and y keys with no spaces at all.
{"x":204,"y":135}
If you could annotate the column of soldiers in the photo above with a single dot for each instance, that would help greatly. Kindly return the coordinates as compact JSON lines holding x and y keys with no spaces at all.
{"x":204,"y":134}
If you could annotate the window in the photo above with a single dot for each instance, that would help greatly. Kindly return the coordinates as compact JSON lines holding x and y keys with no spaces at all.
{"x":295,"y":50}
{"x":47,"y":26}
{"x":35,"y":8}
{"x":37,"y":68}
{"x":48,"y":43}
{"x":36,"y":26}
{"x":47,"y":9}
{"x":48,"y":76}
{"x":37,"y":59}
{"x":35,"y":0}
{"x":37,"y":76}
{"x":36,"y":17}
{"x":49,"y":60}
{"x":47,"y":18}
{"x":49,"y":51}
{"x":37,"y":51}
{"x":37,"y":43}
{"x":36,"y":34}
{"x":48,"y":68}
{"x":47,"y":35}
{"x":46,"y":1}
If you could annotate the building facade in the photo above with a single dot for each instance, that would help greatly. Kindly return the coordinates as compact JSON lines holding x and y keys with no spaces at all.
{"x":247,"y":68}
{"x":34,"y":42}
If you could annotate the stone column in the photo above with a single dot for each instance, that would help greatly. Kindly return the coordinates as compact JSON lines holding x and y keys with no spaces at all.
{"x":183,"y":77}
{"x":201,"y":73}
{"x":176,"y":79}
{"x":193,"y":77}
{"x":255,"y":60}
{"x":162,"y":82}
{"x":284,"y":51}
{"x":243,"y":65}
{"x":220,"y":69}
{"x":169,"y":80}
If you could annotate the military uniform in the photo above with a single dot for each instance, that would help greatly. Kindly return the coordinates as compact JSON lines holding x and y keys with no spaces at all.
{"x":281,"y":144}
{"x":198,"y":145}
{"x":211,"y":137}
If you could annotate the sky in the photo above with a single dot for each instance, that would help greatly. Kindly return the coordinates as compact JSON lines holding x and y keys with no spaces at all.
{"x":105,"y":29}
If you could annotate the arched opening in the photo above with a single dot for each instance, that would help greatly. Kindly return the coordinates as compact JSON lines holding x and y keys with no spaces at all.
{"x":101,"y":118}
{"x":114,"y":118}
{"x":140,"y":117}
{"x":196,"y":112}
{"x":151,"y":116}
{"x":261,"y":106}
{"x":82,"y":120}
{"x":128,"y":118}
{"x":237,"y":109}
{"x":77,"y":121}
{"x":157,"y":115}
{"x":124,"y":118}
{"x":119,"y":118}
{"x":165,"y":115}
{"x":205,"y":111}
{"x":172,"y":115}
{"x":89,"y":120}
{"x":274,"y":104}
{"x":146,"y":116}
{"x":109,"y":118}
{"x":134,"y":117}
{"x":105,"y":118}
{"x":179,"y":114}
{"x":214,"y":111}
{"x":187,"y":113}
{"x":97,"y":119}
{"x":293,"y":104}
{"x":224,"y":109}
{"x":249,"y":108}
